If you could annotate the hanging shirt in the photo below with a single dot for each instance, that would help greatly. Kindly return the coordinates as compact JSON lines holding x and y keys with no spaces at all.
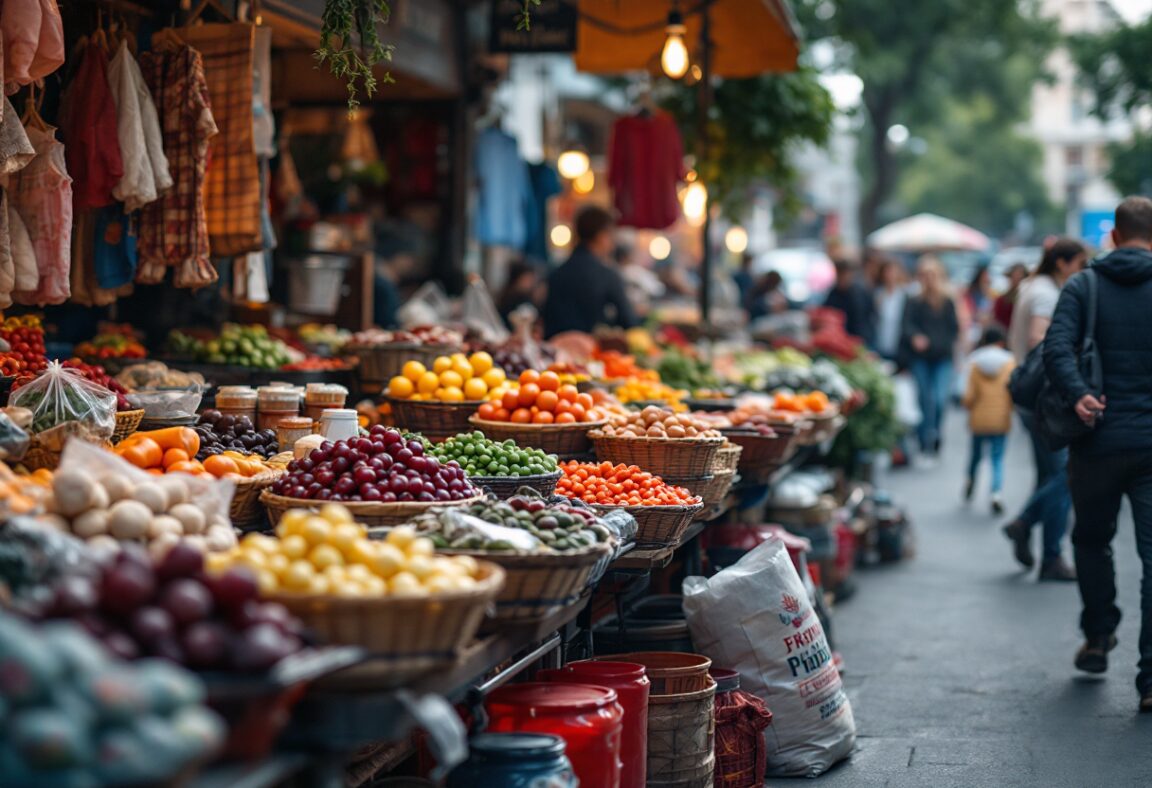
{"x":33,"y":41}
{"x":114,"y":251}
{"x":645,"y":166}
{"x":42,"y":194}
{"x":88,"y":124}
{"x":146,"y":174}
{"x":504,"y":190}
{"x":545,"y":185}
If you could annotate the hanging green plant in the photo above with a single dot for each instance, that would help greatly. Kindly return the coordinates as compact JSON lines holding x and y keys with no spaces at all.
{"x":350,"y":44}
{"x":524,"y":16}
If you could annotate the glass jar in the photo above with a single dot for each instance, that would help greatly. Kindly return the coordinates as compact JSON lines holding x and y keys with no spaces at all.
{"x":318,"y":397}
{"x":237,"y":401}
{"x":276,"y":403}
{"x":514,"y":760}
{"x":630,"y":681}
{"x":587,"y":718}
{"x":339,"y":424}
{"x":292,"y":429}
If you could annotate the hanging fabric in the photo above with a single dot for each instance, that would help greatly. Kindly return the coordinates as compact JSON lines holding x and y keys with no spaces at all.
{"x":263,"y":123}
{"x":23,"y":255}
{"x":114,"y":254}
{"x":32,"y":35}
{"x":42,"y":194}
{"x":645,"y":167}
{"x":232,"y":188}
{"x":146,"y":174}
{"x":16,"y":150}
{"x":545,"y":184}
{"x":89,"y":126}
{"x":504,"y":190}
{"x":173,"y":230}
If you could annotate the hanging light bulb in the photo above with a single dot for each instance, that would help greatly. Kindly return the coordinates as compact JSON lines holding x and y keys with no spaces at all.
{"x":659,"y":248}
{"x":573,"y":163}
{"x":694,"y":199}
{"x":674,"y":58}
{"x":736,"y":240}
{"x":560,"y":236}
{"x":585,"y":183}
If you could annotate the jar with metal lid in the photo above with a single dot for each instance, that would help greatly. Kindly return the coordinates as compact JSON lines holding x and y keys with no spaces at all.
{"x":292,"y":429}
{"x":237,"y":401}
{"x":320,"y":396}
{"x":514,"y":760}
{"x":587,"y":718}
{"x":339,"y":424}
{"x":276,"y":403}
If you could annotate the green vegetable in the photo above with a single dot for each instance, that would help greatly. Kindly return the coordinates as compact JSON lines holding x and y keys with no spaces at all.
{"x":684,"y":372}
{"x":242,"y":346}
{"x":479,"y":456}
{"x":874,"y":427}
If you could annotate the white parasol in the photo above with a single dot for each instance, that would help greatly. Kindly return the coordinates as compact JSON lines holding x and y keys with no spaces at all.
{"x":927,"y":232}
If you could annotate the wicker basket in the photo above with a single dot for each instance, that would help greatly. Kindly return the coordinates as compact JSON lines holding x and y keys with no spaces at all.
{"x":697,"y":485}
{"x":504,"y":487}
{"x":380,"y":364}
{"x":536,"y":586}
{"x":659,"y":526}
{"x":762,"y":455}
{"x":127,"y":421}
{"x":712,"y":489}
{"x":373,"y":515}
{"x":681,"y":730}
{"x":665,"y":457}
{"x":40,"y":457}
{"x":564,"y":440}
{"x":436,"y":421}
{"x":824,"y":427}
{"x":727,"y":458}
{"x":247,"y":510}
{"x":671,"y":672}
{"x":407,"y":633}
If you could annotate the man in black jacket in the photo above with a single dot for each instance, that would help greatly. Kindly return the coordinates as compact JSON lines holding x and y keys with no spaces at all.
{"x":585,"y":291}
{"x":853,"y":299}
{"x":1115,"y":459}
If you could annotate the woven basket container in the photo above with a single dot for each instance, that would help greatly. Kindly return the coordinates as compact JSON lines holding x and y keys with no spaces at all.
{"x":536,"y":586}
{"x":697,"y":485}
{"x":717,"y":489}
{"x":727,"y":457}
{"x":40,"y":457}
{"x":671,"y":672}
{"x":127,"y":421}
{"x":246,"y":509}
{"x":675,"y":457}
{"x":761,"y":455}
{"x":408,"y":633}
{"x":380,"y":364}
{"x":373,"y":515}
{"x":566,"y":441}
{"x":659,"y":526}
{"x":436,"y":421}
{"x":504,"y":487}
{"x":824,"y":427}
{"x":681,"y":738}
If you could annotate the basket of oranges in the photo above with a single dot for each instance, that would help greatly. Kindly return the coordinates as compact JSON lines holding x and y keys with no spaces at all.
{"x":822,"y":415}
{"x":538,"y":411}
{"x":438,"y":401}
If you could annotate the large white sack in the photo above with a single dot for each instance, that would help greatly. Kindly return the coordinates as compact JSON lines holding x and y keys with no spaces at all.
{"x":755,"y":618}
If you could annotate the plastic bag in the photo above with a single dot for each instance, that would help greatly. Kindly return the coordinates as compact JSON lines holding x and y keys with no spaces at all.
{"x":907,"y":401}
{"x":13,"y":440}
{"x":166,"y":404}
{"x":428,"y":306}
{"x":755,"y":617}
{"x":480,"y":313}
{"x":61,"y":395}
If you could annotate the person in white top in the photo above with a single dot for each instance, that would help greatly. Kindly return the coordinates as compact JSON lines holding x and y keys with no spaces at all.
{"x":891,"y":294}
{"x":1051,"y":500}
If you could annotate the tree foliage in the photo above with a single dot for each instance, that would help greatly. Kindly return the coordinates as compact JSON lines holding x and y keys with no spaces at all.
{"x":754,"y":127}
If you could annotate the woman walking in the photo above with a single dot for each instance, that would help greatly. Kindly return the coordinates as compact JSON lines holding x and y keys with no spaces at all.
{"x":928,"y":339}
{"x":1051,"y":500}
{"x":891,"y":295}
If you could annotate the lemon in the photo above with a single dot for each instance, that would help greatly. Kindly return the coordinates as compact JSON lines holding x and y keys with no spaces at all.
{"x":468,"y":563}
{"x":259,"y":542}
{"x":298,"y":576}
{"x":401,"y":387}
{"x":475,"y":389}
{"x":360,"y":551}
{"x":319,"y":585}
{"x":402,"y":537}
{"x":428,"y":382}
{"x":441,"y":364}
{"x":441,"y":584}
{"x":317,"y":530}
{"x":452,"y":394}
{"x":374,"y":586}
{"x":336,"y":573}
{"x":279,"y":563}
{"x":421,"y":567}
{"x":324,"y":556}
{"x":291,"y":523}
{"x":481,"y":362}
{"x":494,"y":377}
{"x":267,"y":582}
{"x":345,"y":536}
{"x":422,"y":545}
{"x":294,"y":547}
{"x":358,"y":573}
{"x":461,"y":366}
{"x":389,"y":560}
{"x":405,"y":584}
{"x":451,"y":378}
{"x":219,"y":562}
{"x":347,"y":588}
{"x":413,"y":370}
{"x":336,"y":514}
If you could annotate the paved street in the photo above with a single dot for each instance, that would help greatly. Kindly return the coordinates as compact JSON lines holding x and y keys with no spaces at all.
{"x":959,"y":665}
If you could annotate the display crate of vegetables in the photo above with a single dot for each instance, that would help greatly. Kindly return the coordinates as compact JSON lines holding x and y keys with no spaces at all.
{"x":549,"y":551}
{"x":500,"y":467}
{"x":383,"y":354}
{"x":668,"y":444}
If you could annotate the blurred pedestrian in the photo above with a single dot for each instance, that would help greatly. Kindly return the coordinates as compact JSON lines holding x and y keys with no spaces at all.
{"x":640,"y":282}
{"x":1050,"y":501}
{"x":766,"y":297}
{"x":852,"y":298}
{"x":743,"y":277}
{"x":989,"y":410}
{"x":928,"y":340}
{"x":1002,"y":309}
{"x":891,"y":295}
{"x":978,"y":301}
{"x":1114,"y":460}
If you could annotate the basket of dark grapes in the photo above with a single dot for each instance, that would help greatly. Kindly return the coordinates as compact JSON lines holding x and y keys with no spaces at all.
{"x":221,"y":432}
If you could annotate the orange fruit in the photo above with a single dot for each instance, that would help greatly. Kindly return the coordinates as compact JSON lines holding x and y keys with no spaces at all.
{"x":451,"y":379}
{"x":494,"y":377}
{"x":543,"y":417}
{"x":413,"y":370}
{"x":475,"y":388}
{"x":401,"y":387}
{"x":568,"y":393}
{"x":481,"y":362}
{"x":510,"y":400}
{"x":549,"y":381}
{"x":521,"y":416}
{"x":487,"y":411}
{"x":529,"y":376}
{"x":173,"y":456}
{"x":585,"y":400}
{"x":441,"y":364}
{"x":577,"y":410}
{"x":452,"y":394}
{"x":427,"y":382}
{"x":528,"y":394}
{"x":565,"y":418}
{"x":548,"y":400}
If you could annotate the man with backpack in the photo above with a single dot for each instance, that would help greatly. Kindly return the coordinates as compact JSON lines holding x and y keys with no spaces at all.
{"x":1113,"y":458}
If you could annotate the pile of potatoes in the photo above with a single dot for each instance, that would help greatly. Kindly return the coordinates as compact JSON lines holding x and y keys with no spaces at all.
{"x":654,"y":422}
{"x":158,"y":512}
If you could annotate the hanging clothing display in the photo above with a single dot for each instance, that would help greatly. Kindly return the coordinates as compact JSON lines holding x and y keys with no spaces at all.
{"x":114,"y":255}
{"x":645,"y":167}
{"x":263,"y":124}
{"x":23,"y":255}
{"x":545,"y":183}
{"x":173,"y":229}
{"x":146,"y":174}
{"x":232,"y":189}
{"x":88,"y":124}
{"x":33,"y":41}
{"x":42,"y":194}
{"x":7,"y":266}
{"x":503,"y":190}
{"x":16,"y":152}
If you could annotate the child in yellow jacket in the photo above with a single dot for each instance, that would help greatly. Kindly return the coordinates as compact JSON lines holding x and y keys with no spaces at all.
{"x":989,"y":409}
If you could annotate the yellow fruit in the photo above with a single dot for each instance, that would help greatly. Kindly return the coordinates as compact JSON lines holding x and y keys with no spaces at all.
{"x":451,"y":379}
{"x":468,"y":563}
{"x":361,"y":551}
{"x":294,"y":547}
{"x":279,"y":563}
{"x":347,"y":588}
{"x":346,"y":535}
{"x":441,"y":584}
{"x":336,"y":573}
{"x":358,"y":573}
{"x":292,"y":522}
{"x":317,"y":530}
{"x":256,"y":559}
{"x":218,"y":562}
{"x":452,"y":394}
{"x":267,"y":582}
{"x":374,"y":586}
{"x":324,"y":556}
{"x":462,"y":366}
{"x":402,"y":537}
{"x":298,"y":576}
{"x":421,"y":567}
{"x":405,"y":584}
{"x":260,"y":542}
{"x":428,"y":383}
{"x":413,"y":370}
{"x":475,"y":389}
{"x":456,"y":358}
{"x":389,"y":560}
{"x":481,"y":362}
{"x":336,"y":514}
{"x":421,"y":546}
{"x":319,"y":585}
{"x":494,"y":377}
{"x":441,"y":364}
{"x":401,"y":387}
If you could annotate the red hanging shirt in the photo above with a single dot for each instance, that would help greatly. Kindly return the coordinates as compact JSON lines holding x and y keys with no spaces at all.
{"x":645,"y":167}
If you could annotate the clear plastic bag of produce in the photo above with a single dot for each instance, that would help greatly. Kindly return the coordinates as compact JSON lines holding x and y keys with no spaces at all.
{"x":34,"y":556}
{"x":61,"y":395}
{"x":13,"y":440}
{"x":167,"y":404}
{"x":480,"y":313}
{"x":429,"y":305}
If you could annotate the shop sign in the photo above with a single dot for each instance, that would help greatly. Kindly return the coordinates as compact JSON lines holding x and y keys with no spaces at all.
{"x":553,"y":27}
